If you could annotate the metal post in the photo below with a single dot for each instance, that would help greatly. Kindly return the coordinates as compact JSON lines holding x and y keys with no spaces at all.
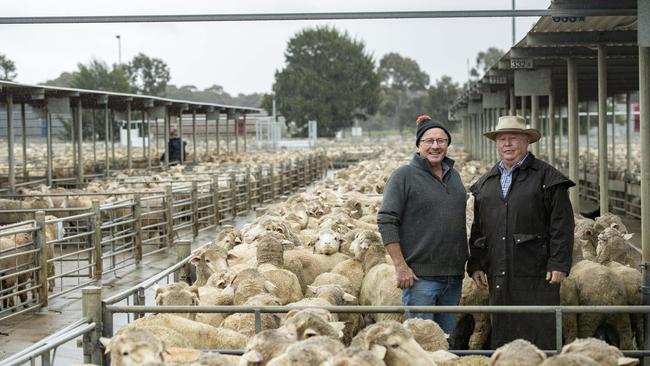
{"x":146,"y":137}
{"x":513,"y":102}
{"x":129,"y":157}
{"x":94,"y":138}
{"x":97,"y":240}
{"x":572,"y":120}
{"x":587,"y":157}
{"x":534,"y":119}
{"x":91,"y":308}
{"x":155,"y":120}
{"x":80,"y":139}
{"x":106,"y":129}
{"x":194,"y":150}
{"x":206,"y":136}
{"x":24,"y":140}
{"x":235,"y":125}
{"x":551,"y":128}
{"x":644,"y":116}
{"x":245,"y":139}
{"x":112,"y":137}
{"x":48,"y":142}
{"x":523,"y":106}
{"x":41,"y":244}
{"x":227,"y":133}
{"x":628,"y":120}
{"x":169,"y":202}
{"x":166,"y":128}
{"x":180,"y":134}
{"x":218,"y":137}
{"x":195,"y":209}
{"x":560,"y":132}
{"x":215,"y":199}
{"x":614,"y":128}
{"x":183,"y":250}
{"x":10,"y":142}
{"x":603,"y":172}
{"x":137,"y":216}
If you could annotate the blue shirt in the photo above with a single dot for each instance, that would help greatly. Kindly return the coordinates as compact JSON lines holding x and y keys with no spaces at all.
{"x":506,"y":177}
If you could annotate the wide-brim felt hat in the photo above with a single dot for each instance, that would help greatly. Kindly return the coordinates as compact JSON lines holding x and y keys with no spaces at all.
{"x":513,"y":124}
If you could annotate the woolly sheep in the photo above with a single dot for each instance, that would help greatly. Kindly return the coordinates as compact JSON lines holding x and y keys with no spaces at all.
{"x":517,"y":353}
{"x":569,"y":359}
{"x":472,"y":330}
{"x":197,"y":335}
{"x":214,"y":296}
{"x":264,"y":346}
{"x":473,"y":360}
{"x":428,"y":334}
{"x":393,"y":343}
{"x":303,"y":324}
{"x":599,"y":285}
{"x":328,"y":242}
{"x":178,"y":293}
{"x":599,"y":351}
{"x":378,"y":288}
{"x":134,"y":348}
{"x":612,"y":246}
{"x":312,"y":351}
{"x":244,"y":323}
{"x":286,"y":284}
{"x":208,"y":260}
{"x":355,"y":356}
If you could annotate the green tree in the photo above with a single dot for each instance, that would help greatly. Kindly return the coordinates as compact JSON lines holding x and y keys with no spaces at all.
{"x":440,"y":97}
{"x":97,"y":75}
{"x":328,"y":78}
{"x":7,"y":68}
{"x":485,"y":60}
{"x":148,"y":75}
{"x":402,"y":81}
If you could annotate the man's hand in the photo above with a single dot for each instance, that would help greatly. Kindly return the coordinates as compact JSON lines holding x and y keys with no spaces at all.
{"x":404,"y":276}
{"x":555,"y":277}
{"x":480,"y":278}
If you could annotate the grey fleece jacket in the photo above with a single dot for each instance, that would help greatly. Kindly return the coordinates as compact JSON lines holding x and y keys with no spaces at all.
{"x":426,"y":216}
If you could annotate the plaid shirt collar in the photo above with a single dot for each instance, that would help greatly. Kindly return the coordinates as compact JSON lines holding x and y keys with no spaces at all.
{"x":506,"y":176}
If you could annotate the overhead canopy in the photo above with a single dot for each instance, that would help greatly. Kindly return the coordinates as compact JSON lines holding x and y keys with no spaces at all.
{"x":552,"y":40}
{"x":39,"y":94}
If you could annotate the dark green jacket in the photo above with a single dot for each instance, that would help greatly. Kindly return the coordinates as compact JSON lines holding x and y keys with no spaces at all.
{"x":426,"y":216}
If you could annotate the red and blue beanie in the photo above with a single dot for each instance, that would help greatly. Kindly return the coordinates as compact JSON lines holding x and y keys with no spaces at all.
{"x":424,"y":123}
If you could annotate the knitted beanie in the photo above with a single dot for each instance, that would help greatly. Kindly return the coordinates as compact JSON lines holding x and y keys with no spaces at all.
{"x":424,"y":123}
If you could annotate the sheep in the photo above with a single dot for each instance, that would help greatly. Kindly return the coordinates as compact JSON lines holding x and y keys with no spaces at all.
{"x":632,"y":279}
{"x":612,"y":246}
{"x":474,"y":360}
{"x":355,"y":356}
{"x":569,"y":296}
{"x":286,"y":284}
{"x":244,"y":323}
{"x":134,"y":347}
{"x":208,"y":260}
{"x":228,"y":237}
{"x":264,"y":346}
{"x":599,"y":285}
{"x":352,"y":269}
{"x":428,"y":334}
{"x":569,"y":359}
{"x":599,"y":351}
{"x":179,"y":293}
{"x":517,"y":353}
{"x":472,"y":330}
{"x":310,"y":265}
{"x":328,"y":242}
{"x":307,"y":323}
{"x":395,"y":344}
{"x":378,"y":288}
{"x":196,"y":335}
{"x":329,"y":278}
{"x":312,"y":351}
{"x":609,"y":220}
{"x":209,"y":295}
{"x":249,"y":283}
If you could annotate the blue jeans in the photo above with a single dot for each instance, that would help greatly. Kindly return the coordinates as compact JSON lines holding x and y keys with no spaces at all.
{"x":427,"y":293}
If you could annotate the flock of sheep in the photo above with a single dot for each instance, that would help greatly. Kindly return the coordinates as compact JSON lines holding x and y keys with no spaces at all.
{"x":322,"y":249}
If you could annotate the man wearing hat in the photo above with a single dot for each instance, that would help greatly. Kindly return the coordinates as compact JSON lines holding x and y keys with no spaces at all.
{"x":422,"y":224}
{"x":522,"y":236}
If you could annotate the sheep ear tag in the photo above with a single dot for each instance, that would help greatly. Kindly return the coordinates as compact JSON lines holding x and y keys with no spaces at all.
{"x":628,"y":236}
{"x":348,"y":297}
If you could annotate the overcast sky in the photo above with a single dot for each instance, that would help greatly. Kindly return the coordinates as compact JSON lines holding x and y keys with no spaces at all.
{"x":243,"y":56}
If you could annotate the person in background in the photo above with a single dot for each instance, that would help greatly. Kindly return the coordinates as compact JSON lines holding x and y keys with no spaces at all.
{"x":176,"y":148}
{"x":422,"y":224}
{"x":521,"y":240}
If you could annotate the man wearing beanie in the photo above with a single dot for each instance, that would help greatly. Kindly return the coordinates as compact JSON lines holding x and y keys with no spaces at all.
{"x":422,"y":225}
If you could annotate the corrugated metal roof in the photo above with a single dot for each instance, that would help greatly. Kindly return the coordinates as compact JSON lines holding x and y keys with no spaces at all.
{"x":139,"y":97}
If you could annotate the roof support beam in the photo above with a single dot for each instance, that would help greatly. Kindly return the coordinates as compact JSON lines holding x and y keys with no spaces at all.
{"x":562,"y":52}
{"x":581,"y":38}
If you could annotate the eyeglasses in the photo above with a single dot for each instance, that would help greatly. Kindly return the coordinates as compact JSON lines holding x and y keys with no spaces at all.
{"x":429,"y":142}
